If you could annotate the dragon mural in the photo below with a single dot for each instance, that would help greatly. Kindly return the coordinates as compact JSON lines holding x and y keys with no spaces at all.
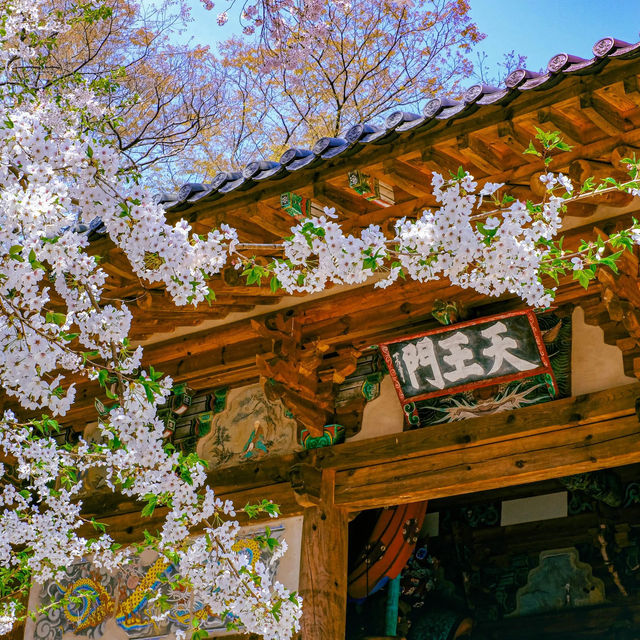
{"x":87,"y":602}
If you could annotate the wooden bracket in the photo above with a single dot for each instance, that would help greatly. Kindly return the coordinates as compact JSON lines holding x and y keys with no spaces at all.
{"x":301,"y":373}
{"x":618,"y":310}
{"x":306,"y":482}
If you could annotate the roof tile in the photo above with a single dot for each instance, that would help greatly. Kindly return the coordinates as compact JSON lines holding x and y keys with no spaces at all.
{"x":399,"y":122}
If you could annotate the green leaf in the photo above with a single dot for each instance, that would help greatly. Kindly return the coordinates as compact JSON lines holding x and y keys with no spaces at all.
{"x":252,"y":277}
{"x":110,"y":394}
{"x":56,"y":318}
{"x":274,"y":284}
{"x":251,"y":510}
{"x":154,"y":375}
{"x":103,"y":374}
{"x":588,"y":185}
{"x":531,"y":150}
{"x":211,"y":296}
{"x":149,"y":508}
{"x":370,"y":263}
{"x":98,"y":525}
{"x":15,"y":251}
{"x":610,"y":261}
{"x":148,"y":392}
{"x":86,"y":355}
{"x":583,"y":276}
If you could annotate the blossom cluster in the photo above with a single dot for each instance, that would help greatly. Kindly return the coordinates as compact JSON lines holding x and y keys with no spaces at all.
{"x":507,"y":250}
{"x":59,"y":172}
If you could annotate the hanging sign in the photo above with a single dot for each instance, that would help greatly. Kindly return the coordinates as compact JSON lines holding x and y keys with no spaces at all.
{"x":467,"y":355}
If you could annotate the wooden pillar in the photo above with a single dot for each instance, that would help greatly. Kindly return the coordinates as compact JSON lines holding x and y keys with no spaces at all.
{"x":323,"y":567}
{"x":17,"y":633}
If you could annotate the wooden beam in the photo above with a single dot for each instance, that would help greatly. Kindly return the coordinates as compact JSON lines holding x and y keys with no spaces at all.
{"x":512,"y":136}
{"x":387,"y":217}
{"x":479,"y":153}
{"x":125,"y":523}
{"x":569,"y":130}
{"x":409,"y":179}
{"x":346,"y":202}
{"x":534,"y":443}
{"x":586,"y":409}
{"x":630,"y":88}
{"x":225,"y":355}
{"x":603,"y":115}
{"x":467,"y":469}
{"x":275,"y":221}
{"x":441,"y":160}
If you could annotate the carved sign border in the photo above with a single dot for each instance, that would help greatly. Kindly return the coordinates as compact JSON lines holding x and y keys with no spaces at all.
{"x":533,"y":322}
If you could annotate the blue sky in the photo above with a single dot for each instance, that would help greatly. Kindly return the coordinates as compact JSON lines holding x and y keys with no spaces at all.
{"x":539,"y":29}
{"x":535,"y":28}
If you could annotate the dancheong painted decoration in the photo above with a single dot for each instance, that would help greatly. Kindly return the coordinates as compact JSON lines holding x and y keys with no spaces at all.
{"x":468,"y":355}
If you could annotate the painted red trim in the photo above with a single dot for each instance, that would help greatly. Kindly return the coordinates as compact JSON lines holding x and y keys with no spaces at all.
{"x":488,"y":382}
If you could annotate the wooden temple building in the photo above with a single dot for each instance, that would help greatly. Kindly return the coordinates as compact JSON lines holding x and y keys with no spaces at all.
{"x":502,"y":503}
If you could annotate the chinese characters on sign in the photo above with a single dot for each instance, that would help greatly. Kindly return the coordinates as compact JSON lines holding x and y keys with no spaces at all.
{"x":467,"y":355}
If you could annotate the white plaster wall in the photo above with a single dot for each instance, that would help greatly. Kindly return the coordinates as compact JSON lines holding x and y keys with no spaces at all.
{"x":595,"y":365}
{"x":383,"y":415}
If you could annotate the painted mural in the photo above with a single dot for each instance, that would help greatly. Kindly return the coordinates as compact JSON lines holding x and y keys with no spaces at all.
{"x":121,"y":607}
{"x":472,"y":403}
{"x":250,"y":428}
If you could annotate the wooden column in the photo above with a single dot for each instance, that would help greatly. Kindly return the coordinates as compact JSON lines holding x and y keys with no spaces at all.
{"x":17,"y":633}
{"x":323,"y":567}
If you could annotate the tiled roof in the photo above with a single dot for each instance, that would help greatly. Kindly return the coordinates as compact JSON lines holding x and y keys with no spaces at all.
{"x":400,"y":123}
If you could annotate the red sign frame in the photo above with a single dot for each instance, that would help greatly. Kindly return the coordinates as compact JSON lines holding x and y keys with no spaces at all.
{"x":537,"y":334}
